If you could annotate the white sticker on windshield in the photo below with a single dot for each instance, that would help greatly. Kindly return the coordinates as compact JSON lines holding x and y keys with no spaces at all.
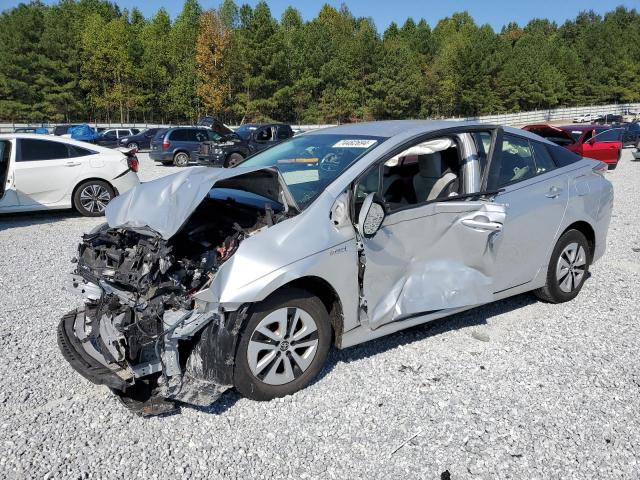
{"x":355,"y":143}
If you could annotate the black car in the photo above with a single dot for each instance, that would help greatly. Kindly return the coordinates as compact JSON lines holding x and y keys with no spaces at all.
{"x":250,"y":138}
{"x":63,"y":129}
{"x":631,"y":135}
{"x":609,"y":118}
{"x":140,"y":140}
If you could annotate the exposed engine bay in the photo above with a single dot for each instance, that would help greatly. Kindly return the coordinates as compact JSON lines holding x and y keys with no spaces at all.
{"x":142,"y":331}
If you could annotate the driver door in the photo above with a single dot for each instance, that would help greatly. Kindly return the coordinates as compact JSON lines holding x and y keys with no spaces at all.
{"x":431,"y":256}
{"x":8,"y":195}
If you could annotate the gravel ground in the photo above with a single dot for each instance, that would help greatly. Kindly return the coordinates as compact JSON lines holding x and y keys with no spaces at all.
{"x":517,"y":389}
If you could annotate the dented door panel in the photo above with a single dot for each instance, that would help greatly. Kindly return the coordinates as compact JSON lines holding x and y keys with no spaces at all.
{"x":435,"y":257}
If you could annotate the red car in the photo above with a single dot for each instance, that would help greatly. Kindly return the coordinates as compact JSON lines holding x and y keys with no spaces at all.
{"x":600,"y":142}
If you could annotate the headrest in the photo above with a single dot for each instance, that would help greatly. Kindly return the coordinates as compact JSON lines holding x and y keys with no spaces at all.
{"x":431,"y":165}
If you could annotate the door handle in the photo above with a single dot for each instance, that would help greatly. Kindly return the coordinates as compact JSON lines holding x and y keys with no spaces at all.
{"x":479,"y":225}
{"x":553,"y":192}
{"x":72,"y":164}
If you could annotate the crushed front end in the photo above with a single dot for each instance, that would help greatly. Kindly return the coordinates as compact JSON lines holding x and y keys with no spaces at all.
{"x":150,"y":328}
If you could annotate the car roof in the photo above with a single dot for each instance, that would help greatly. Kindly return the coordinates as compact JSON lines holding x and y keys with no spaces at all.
{"x":56,"y":138}
{"x":391,"y":128}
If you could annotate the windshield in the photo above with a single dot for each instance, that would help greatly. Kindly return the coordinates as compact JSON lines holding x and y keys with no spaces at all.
{"x":309,"y":163}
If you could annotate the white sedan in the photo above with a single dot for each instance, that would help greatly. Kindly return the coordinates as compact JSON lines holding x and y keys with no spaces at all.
{"x":42,"y":173}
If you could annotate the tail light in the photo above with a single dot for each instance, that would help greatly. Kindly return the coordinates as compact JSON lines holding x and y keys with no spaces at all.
{"x":601,"y":168}
{"x":132,"y":162}
{"x":166,"y":144}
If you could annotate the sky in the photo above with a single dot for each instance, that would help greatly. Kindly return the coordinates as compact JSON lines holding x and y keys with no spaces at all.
{"x":494,"y":12}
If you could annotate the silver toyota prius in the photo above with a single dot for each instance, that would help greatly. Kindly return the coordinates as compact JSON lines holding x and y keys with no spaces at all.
{"x":244,"y":277}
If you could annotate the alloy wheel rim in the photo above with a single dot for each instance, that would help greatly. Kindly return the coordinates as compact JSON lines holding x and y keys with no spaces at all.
{"x":182,"y":159}
{"x":571,"y":267}
{"x":94,"y":198}
{"x":283,"y":346}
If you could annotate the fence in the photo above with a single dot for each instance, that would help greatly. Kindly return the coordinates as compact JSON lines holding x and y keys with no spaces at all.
{"x":514,"y":119}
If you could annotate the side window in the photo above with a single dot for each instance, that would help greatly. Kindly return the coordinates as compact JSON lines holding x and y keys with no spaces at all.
{"x":180,"y":135}
{"x":109,"y":135}
{"x":264,"y":134}
{"x":544,"y":162}
{"x":587,"y":136}
{"x":483,"y":143}
{"x":611,"y":135}
{"x":516,"y":163}
{"x":214,"y":136}
{"x":200,"y":136}
{"x":33,"y":150}
{"x":284,"y":132}
{"x":123,"y":133}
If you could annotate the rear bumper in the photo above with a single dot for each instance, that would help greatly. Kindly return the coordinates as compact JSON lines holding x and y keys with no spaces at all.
{"x":79,"y":355}
{"x":161,"y":155}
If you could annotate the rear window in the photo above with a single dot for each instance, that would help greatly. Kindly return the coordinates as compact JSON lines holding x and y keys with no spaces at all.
{"x":561,"y":156}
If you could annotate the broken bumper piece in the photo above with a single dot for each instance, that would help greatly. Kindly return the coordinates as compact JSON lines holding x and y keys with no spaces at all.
{"x":153,"y":387}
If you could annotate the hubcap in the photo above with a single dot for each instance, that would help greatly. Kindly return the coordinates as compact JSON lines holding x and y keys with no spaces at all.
{"x":182,"y":159}
{"x":94,"y":198}
{"x":571,"y":267}
{"x":282,"y":346}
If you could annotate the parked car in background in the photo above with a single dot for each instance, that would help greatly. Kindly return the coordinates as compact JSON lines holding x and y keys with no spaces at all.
{"x":176,"y":144}
{"x":38,"y":130}
{"x":631,"y":134}
{"x":141,"y":140}
{"x":248,"y":139}
{"x":636,"y":154}
{"x":592,"y":141}
{"x":588,"y":118}
{"x":63,"y":129}
{"x":630,"y":115}
{"x":41,"y":173}
{"x":244,"y":277}
{"x":82,"y":133}
{"x":609,"y":119}
{"x":110,"y":137}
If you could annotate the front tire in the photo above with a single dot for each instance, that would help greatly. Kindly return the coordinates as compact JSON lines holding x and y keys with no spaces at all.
{"x":92,"y":197}
{"x":283,"y":346}
{"x":133,"y":145}
{"x":568,"y":268}
{"x":181,"y":159}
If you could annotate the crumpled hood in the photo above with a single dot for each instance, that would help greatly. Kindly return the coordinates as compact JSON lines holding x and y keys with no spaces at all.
{"x":164,"y":204}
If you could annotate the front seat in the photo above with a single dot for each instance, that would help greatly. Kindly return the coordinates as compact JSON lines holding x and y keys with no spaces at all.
{"x":432,"y":180}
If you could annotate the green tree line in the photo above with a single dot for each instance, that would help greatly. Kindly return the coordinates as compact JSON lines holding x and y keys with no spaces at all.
{"x":88,"y":60}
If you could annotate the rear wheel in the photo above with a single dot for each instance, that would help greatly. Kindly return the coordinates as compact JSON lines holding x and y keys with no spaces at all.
{"x":283,"y":346}
{"x":568,"y":268}
{"x":133,"y":145}
{"x":233,"y":160}
{"x":181,"y":159}
{"x":92,"y":197}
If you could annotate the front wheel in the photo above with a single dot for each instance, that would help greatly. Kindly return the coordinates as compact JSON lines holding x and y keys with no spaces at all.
{"x":181,"y":159}
{"x":92,"y":197}
{"x":283,"y":346}
{"x":568,"y":268}
{"x":133,"y":145}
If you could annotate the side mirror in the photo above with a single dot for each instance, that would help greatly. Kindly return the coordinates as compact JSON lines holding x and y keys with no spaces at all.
{"x":371,"y":216}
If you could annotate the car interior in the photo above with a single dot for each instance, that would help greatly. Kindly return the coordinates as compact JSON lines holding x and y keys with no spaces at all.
{"x":421,"y":173}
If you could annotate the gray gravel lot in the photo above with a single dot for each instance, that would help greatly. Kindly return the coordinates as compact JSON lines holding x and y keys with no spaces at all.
{"x":553,"y":393}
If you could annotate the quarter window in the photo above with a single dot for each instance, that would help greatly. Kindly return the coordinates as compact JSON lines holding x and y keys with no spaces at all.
{"x":544,"y":162}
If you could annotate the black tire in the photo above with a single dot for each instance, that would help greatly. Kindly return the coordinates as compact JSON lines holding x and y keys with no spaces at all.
{"x":233,"y":160}
{"x":253,"y":387}
{"x":181,"y":159}
{"x":91,"y":197}
{"x":133,"y":145}
{"x":552,"y":291}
